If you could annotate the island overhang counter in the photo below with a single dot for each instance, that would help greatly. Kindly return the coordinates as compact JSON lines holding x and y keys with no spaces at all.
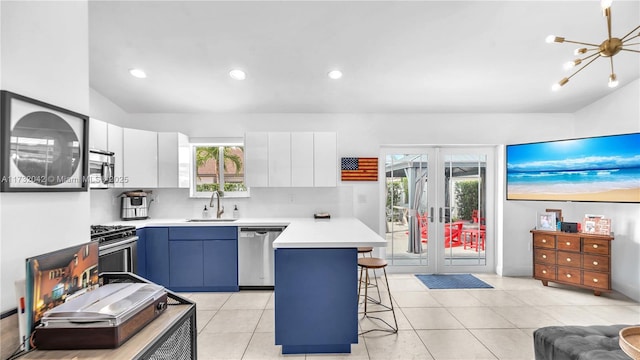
{"x":316,"y":281}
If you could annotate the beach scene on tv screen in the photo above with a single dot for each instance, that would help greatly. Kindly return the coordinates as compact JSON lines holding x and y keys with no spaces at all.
{"x":603,"y":168}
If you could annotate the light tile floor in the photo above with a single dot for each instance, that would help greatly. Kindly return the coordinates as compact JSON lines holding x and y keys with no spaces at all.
{"x":434,"y":324}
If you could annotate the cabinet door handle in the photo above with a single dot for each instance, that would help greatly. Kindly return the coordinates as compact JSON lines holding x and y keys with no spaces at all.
{"x":568,"y":275}
{"x":544,"y":241}
{"x":544,"y":271}
{"x":568,"y":243}
{"x":544,"y":256}
{"x":595,"y":263}
{"x":595,"y":280}
{"x":568,"y":259}
{"x":595,"y":246}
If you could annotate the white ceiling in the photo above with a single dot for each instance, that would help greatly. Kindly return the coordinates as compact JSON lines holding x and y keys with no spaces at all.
{"x":397,"y":56}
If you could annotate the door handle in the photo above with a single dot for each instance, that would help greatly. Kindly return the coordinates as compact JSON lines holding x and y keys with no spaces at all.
{"x":431,"y":215}
{"x":440,"y":214}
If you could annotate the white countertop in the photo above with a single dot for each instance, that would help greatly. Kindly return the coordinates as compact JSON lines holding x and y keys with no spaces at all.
{"x":329,"y":233}
{"x":300,"y":232}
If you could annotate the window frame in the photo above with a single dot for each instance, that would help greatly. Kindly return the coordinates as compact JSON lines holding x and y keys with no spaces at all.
{"x":193,"y":177}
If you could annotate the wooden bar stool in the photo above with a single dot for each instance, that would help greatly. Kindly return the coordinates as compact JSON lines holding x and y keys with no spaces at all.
{"x":364,"y":251}
{"x":376,"y":263}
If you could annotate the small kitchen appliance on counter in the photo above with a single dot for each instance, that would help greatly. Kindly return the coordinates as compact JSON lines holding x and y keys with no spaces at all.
{"x":101,"y":319}
{"x":135,"y":205}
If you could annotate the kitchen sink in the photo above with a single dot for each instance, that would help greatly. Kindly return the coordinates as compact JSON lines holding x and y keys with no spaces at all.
{"x":211,"y":220}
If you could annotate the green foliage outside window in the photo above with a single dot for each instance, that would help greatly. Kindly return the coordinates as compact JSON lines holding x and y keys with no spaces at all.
{"x":466,"y":193}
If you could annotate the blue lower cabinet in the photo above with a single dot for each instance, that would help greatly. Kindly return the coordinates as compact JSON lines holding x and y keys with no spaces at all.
{"x":157,"y":255}
{"x":203,"y":258}
{"x":221,"y":264}
{"x":316,"y":300}
{"x":141,"y":253}
{"x":185,"y":262}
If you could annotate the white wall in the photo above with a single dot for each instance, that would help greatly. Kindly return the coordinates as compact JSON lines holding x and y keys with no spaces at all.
{"x":364,"y":134}
{"x":617,"y":113}
{"x":103,"y":108}
{"x":44,"y":55}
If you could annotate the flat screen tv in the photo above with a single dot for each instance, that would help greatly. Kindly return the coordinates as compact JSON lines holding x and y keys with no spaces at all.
{"x":596,"y":169}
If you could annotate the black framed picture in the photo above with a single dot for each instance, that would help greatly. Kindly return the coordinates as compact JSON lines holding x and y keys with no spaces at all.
{"x":44,"y":147}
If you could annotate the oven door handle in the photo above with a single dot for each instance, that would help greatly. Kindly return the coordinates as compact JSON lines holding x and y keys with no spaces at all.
{"x":109,"y":248}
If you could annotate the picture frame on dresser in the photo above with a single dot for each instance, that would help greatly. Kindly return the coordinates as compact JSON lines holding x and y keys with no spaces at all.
{"x":44,"y":146}
{"x":546,"y":221}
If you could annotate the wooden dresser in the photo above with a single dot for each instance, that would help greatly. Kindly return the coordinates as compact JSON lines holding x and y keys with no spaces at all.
{"x":578,"y":259}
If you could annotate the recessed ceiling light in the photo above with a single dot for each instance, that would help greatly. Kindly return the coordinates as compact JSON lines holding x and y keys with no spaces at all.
{"x":139,"y":73}
{"x":334,"y":74}
{"x":237,"y":74}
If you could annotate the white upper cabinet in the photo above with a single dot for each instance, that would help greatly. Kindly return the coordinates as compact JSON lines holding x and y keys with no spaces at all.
{"x":114,"y":144}
{"x":325,"y":159}
{"x":173,"y":160}
{"x":256,"y":149}
{"x":298,"y":159}
{"x":97,"y":134}
{"x":140,"y":158}
{"x":279,"y":158}
{"x":302,"y":159}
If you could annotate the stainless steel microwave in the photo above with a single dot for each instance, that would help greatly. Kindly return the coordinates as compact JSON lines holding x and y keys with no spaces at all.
{"x":101,"y":166}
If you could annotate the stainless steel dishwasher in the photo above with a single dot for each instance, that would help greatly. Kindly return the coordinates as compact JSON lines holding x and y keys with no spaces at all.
{"x":256,"y":255}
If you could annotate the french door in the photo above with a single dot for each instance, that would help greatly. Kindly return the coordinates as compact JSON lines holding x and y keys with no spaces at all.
{"x":439,"y":209}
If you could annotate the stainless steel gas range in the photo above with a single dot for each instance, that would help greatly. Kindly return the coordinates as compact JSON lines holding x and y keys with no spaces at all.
{"x":117,"y":247}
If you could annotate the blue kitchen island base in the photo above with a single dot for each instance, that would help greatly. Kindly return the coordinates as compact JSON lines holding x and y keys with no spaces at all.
{"x":316,"y":349}
{"x":316,"y":300}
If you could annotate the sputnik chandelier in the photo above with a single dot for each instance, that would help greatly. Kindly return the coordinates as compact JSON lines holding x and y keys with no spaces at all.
{"x":608,"y":48}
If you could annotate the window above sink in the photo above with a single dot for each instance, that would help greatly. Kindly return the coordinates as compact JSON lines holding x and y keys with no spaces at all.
{"x":218,"y":166}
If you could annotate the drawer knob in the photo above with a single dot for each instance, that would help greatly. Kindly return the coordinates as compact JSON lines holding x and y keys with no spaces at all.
{"x":544,"y":271}
{"x":568,"y":259}
{"x":568,"y":275}
{"x":544,"y":241}
{"x":568,"y":243}
{"x":595,"y":280}
{"x":595,"y":263}
{"x":595,"y":246}
{"x":544,"y":256}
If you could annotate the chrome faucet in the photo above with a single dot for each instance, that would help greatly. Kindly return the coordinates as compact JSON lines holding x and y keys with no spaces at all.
{"x":217,"y":194}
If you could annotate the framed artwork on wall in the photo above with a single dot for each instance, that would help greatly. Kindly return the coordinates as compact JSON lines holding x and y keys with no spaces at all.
{"x":44,"y":147}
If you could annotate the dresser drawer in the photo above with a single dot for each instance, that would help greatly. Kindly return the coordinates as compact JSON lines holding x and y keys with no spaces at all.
{"x":570,"y":275}
{"x":571,"y":259}
{"x":544,"y":271}
{"x":596,"y":246}
{"x":595,"y":262}
{"x":544,"y":256}
{"x":596,"y":280}
{"x":568,"y":243}
{"x":544,"y":241}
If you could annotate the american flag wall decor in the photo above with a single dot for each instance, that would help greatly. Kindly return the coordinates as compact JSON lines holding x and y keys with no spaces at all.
{"x":359,"y":169}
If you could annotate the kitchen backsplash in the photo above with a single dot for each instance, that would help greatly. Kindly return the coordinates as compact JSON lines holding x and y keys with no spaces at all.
{"x":264,"y":202}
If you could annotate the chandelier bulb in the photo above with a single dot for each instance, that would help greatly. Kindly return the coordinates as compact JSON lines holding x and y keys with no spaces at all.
{"x":571,"y":64}
{"x":605,"y":4}
{"x":613,"y":80}
{"x":580,"y":51}
{"x":549,"y":39}
{"x":559,"y":84}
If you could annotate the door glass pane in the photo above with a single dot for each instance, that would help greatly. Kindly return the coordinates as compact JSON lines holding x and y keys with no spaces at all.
{"x":464,"y":230}
{"x":406,"y":209}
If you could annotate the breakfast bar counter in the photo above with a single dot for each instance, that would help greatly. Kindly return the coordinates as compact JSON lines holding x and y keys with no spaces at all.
{"x":316,"y":299}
